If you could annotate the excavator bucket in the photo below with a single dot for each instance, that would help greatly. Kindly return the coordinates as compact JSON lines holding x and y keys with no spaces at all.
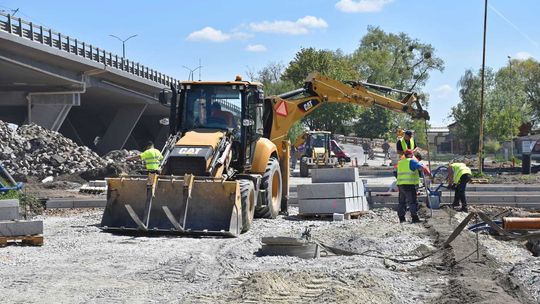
{"x":173,"y":205}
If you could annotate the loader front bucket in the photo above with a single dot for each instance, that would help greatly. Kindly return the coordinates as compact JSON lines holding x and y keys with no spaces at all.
{"x":173,"y":205}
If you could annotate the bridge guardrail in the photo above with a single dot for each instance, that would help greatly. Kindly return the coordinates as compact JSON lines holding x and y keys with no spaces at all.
{"x":46,"y":36}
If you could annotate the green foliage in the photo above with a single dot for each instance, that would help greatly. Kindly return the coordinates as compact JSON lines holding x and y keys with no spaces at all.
{"x":529,"y":73}
{"x":507,"y":108}
{"x":29,"y":204}
{"x":11,"y":194}
{"x":466,"y":114}
{"x":373,"y":123}
{"x":394,"y":60}
{"x":334,"y":64}
{"x":511,"y":99}
{"x":419,"y":127}
{"x":295,"y":131}
{"x":492,"y":146}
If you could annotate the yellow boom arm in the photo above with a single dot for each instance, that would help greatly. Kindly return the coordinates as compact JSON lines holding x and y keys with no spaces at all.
{"x":293,"y":106}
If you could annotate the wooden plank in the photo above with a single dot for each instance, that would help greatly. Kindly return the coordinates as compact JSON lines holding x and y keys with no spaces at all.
{"x":347,"y":216}
{"x":31,"y":240}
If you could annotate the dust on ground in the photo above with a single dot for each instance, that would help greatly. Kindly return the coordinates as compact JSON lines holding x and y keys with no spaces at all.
{"x":78,"y":263}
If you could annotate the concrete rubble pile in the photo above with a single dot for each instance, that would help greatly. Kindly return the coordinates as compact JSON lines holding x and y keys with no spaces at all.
{"x":34,"y":151}
{"x":31,"y":150}
{"x":120,"y":156}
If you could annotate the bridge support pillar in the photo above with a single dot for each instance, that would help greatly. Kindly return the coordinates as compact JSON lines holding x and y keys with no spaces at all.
{"x":120,"y":128}
{"x":70,"y":132}
{"x":50,"y":110}
{"x":161,"y":137}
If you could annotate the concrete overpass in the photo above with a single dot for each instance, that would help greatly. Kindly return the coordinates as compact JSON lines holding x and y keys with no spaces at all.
{"x":90,"y":95}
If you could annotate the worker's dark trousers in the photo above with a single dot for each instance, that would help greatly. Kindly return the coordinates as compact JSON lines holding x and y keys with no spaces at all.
{"x":407,"y":195}
{"x":459,"y":195}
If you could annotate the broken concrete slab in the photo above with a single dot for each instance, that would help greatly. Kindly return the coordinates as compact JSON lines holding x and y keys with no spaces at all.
{"x":334,"y":175}
{"x":9,"y":210}
{"x":20,"y":228}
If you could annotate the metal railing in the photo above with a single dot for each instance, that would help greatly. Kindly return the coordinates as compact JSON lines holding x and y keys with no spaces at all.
{"x":46,"y":36}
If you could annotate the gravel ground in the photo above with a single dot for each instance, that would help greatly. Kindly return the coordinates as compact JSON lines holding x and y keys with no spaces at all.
{"x":80,"y":264}
{"x":514,"y":259}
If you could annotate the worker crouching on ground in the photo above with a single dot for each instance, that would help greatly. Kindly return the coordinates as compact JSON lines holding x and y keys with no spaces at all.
{"x":408,"y":179}
{"x":458,"y":177}
{"x":151,"y":157}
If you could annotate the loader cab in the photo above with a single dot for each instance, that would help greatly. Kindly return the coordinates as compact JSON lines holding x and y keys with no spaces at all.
{"x":317,"y":141}
{"x":235,"y":108}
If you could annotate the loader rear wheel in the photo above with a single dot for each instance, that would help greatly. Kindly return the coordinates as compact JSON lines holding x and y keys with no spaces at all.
{"x":304,"y":169}
{"x":248,"y":199}
{"x":271,"y":184}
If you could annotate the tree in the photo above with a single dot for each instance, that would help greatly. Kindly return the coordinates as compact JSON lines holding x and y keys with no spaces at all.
{"x":271,"y":78}
{"x":394,"y":60}
{"x":529,"y":72}
{"x":334,"y":64}
{"x":466,"y":113}
{"x":508,"y":107}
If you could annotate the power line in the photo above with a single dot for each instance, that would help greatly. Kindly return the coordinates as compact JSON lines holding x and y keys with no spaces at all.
{"x":536,"y":44}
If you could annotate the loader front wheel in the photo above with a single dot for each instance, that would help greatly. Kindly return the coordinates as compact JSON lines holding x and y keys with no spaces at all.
{"x":271,"y":197}
{"x":248,"y":199}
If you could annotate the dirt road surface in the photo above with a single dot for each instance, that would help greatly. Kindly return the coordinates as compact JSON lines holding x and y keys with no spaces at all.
{"x":80,"y":264}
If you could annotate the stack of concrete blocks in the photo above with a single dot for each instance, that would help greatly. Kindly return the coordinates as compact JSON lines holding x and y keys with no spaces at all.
{"x":333,"y":191}
{"x":10,"y":223}
{"x":94,"y":187}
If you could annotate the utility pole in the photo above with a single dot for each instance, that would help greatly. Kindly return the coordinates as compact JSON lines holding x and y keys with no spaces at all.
{"x":124,"y":43}
{"x":511,"y":131}
{"x":481,"y":137}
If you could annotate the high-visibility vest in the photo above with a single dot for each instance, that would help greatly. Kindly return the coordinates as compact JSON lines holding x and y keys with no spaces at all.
{"x":459,"y":169}
{"x":404,"y":144}
{"x":151,"y":158}
{"x":406,"y":176}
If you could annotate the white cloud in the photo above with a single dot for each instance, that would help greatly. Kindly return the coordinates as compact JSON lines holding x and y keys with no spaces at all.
{"x":443,"y":91}
{"x":298,"y":27}
{"x":208,"y":34}
{"x":256,"y":48}
{"x":211,"y":34}
{"x":313,"y":22}
{"x":522,"y":56}
{"x":361,"y":6}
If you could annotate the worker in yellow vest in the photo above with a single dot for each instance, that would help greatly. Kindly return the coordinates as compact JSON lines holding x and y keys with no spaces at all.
{"x":458,"y":177}
{"x":408,"y":179}
{"x":151,"y":157}
{"x":405,"y":142}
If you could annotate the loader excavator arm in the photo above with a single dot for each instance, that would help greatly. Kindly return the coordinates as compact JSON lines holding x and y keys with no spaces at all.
{"x":293,"y":106}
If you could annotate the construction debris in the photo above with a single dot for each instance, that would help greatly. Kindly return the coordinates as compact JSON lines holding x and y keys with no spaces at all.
{"x":31,"y":150}
{"x":34,"y":151}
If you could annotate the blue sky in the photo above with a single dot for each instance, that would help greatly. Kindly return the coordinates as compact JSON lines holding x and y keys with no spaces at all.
{"x":230,"y":37}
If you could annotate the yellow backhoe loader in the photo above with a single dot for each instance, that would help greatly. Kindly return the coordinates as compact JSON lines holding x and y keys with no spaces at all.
{"x":227,"y":157}
{"x":317,"y":151}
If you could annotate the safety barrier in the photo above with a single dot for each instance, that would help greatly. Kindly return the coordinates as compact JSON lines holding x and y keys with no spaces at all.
{"x":46,"y":36}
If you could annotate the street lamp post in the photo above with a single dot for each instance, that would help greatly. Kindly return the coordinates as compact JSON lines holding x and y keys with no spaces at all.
{"x":191,"y":71}
{"x":124,"y":43}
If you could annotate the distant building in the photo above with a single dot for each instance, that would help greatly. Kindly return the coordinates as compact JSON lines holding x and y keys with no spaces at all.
{"x":441,"y":140}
